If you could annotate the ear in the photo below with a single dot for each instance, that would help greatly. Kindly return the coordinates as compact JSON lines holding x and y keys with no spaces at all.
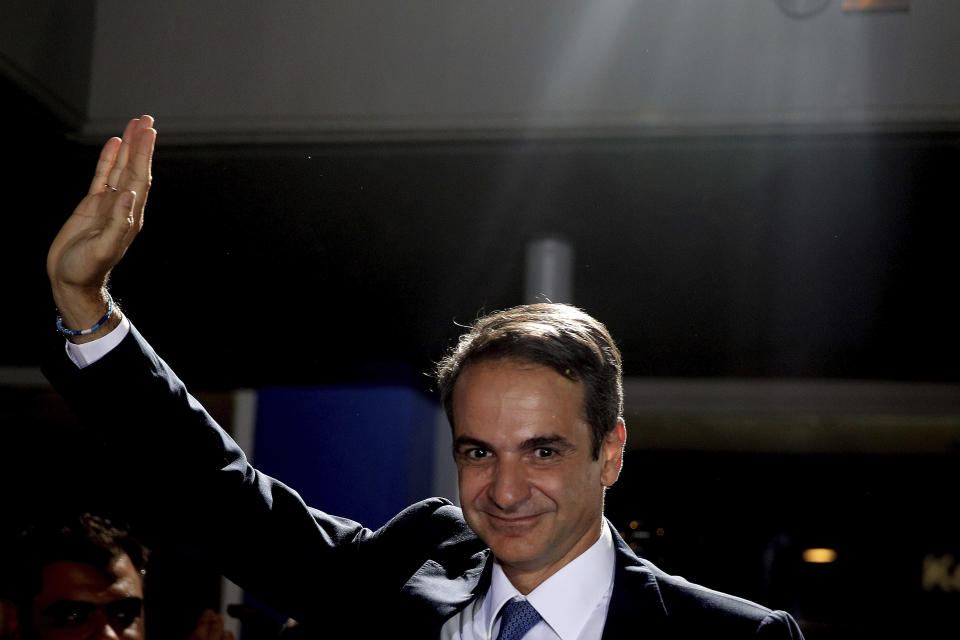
{"x":611,"y":453}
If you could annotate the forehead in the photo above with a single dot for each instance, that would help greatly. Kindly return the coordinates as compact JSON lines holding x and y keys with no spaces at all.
{"x":510,"y":391}
{"x":72,"y":580}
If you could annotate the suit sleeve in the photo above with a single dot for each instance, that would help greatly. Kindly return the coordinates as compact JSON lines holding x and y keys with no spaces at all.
{"x":196,"y":482}
{"x":781,"y":625}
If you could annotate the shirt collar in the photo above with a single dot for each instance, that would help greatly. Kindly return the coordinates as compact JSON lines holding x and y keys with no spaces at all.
{"x":566,"y":599}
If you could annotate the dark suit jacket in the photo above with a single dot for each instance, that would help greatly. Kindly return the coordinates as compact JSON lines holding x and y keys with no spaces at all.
{"x":330,"y":573}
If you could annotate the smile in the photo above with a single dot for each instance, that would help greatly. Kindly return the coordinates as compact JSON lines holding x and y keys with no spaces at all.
{"x":515,"y":524}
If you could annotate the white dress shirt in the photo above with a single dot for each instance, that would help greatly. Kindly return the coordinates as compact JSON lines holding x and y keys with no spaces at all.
{"x":83,"y":355}
{"x":572,"y":603}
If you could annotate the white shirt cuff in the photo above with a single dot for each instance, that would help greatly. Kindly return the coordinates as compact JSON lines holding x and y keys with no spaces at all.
{"x":83,"y":355}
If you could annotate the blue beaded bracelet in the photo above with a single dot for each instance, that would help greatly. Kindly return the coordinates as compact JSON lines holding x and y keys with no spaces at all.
{"x":71,"y":332}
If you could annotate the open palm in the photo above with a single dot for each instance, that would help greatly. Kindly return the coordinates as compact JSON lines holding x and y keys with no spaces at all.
{"x":108,"y":218}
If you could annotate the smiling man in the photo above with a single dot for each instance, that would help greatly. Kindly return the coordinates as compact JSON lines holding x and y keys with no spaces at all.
{"x":534,"y":397}
{"x":530,"y":485}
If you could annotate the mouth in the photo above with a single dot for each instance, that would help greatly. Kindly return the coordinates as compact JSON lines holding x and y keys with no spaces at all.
{"x":513,"y":524}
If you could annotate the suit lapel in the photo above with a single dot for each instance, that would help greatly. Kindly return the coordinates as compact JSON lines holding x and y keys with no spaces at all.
{"x":434,"y":595}
{"x":636,"y":606}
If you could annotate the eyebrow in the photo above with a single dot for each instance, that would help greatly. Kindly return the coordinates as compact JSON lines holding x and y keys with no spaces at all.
{"x":535,"y":442}
{"x":558,"y":442}
{"x":463,"y":441}
{"x":57,"y":606}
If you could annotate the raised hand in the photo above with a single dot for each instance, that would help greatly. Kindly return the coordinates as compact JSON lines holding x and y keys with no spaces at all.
{"x":94,"y":239}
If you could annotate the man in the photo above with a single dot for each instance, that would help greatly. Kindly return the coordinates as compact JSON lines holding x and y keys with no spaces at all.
{"x":82,"y":578}
{"x":534,"y":399}
{"x":77,"y":580}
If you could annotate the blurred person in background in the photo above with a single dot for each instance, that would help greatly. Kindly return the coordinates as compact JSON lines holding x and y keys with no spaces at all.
{"x":81,"y":578}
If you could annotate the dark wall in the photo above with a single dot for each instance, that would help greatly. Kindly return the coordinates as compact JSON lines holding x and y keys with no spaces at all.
{"x":818,"y":255}
{"x":740,"y":523}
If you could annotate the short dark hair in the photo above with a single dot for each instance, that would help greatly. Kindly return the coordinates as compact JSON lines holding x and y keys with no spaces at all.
{"x":559,"y":336}
{"x":87,"y":538}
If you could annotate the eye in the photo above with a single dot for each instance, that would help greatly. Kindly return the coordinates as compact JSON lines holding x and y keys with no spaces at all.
{"x":123,"y":612}
{"x":69,"y":618}
{"x":476,"y":453}
{"x":69,"y":613}
{"x":544,"y":452}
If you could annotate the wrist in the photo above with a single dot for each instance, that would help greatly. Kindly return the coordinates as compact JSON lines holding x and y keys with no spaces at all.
{"x":83,"y":309}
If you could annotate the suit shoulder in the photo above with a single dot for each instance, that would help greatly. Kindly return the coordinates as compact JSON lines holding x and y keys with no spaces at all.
{"x":432,"y":529}
{"x":700,"y":606}
{"x":680,"y":593}
{"x":424,"y":510}
{"x":435,"y":519}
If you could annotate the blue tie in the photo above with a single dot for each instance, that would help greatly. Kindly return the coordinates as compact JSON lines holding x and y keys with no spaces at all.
{"x":516,"y":618}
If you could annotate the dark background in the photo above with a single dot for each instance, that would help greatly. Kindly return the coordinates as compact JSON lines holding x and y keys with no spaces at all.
{"x":829,"y":256}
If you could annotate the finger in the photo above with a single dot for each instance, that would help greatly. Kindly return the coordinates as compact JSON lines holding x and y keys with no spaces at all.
{"x":204,"y":628}
{"x":123,"y":153}
{"x":104,"y":164}
{"x":137,"y":176}
{"x":217,"y":624}
{"x":228,"y":635}
{"x":119,"y":230}
{"x":138,"y":156}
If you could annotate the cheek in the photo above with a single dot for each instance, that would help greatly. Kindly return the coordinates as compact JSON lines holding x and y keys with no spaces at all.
{"x":472,"y":482}
{"x":134,"y":631}
{"x":569,"y":486}
{"x":555,"y":485}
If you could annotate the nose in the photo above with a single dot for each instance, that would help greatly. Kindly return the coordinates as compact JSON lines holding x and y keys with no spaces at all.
{"x":103,"y":629}
{"x":509,"y":488}
{"x":105,"y":632}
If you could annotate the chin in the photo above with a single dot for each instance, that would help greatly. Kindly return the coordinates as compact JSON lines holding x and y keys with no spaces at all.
{"x":515,"y":551}
{"x":519,"y":562}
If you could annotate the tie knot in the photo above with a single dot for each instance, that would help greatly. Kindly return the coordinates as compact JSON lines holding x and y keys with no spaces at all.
{"x":516,"y":618}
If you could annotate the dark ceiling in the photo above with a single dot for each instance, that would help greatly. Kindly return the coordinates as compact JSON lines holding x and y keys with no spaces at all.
{"x":772,"y":256}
